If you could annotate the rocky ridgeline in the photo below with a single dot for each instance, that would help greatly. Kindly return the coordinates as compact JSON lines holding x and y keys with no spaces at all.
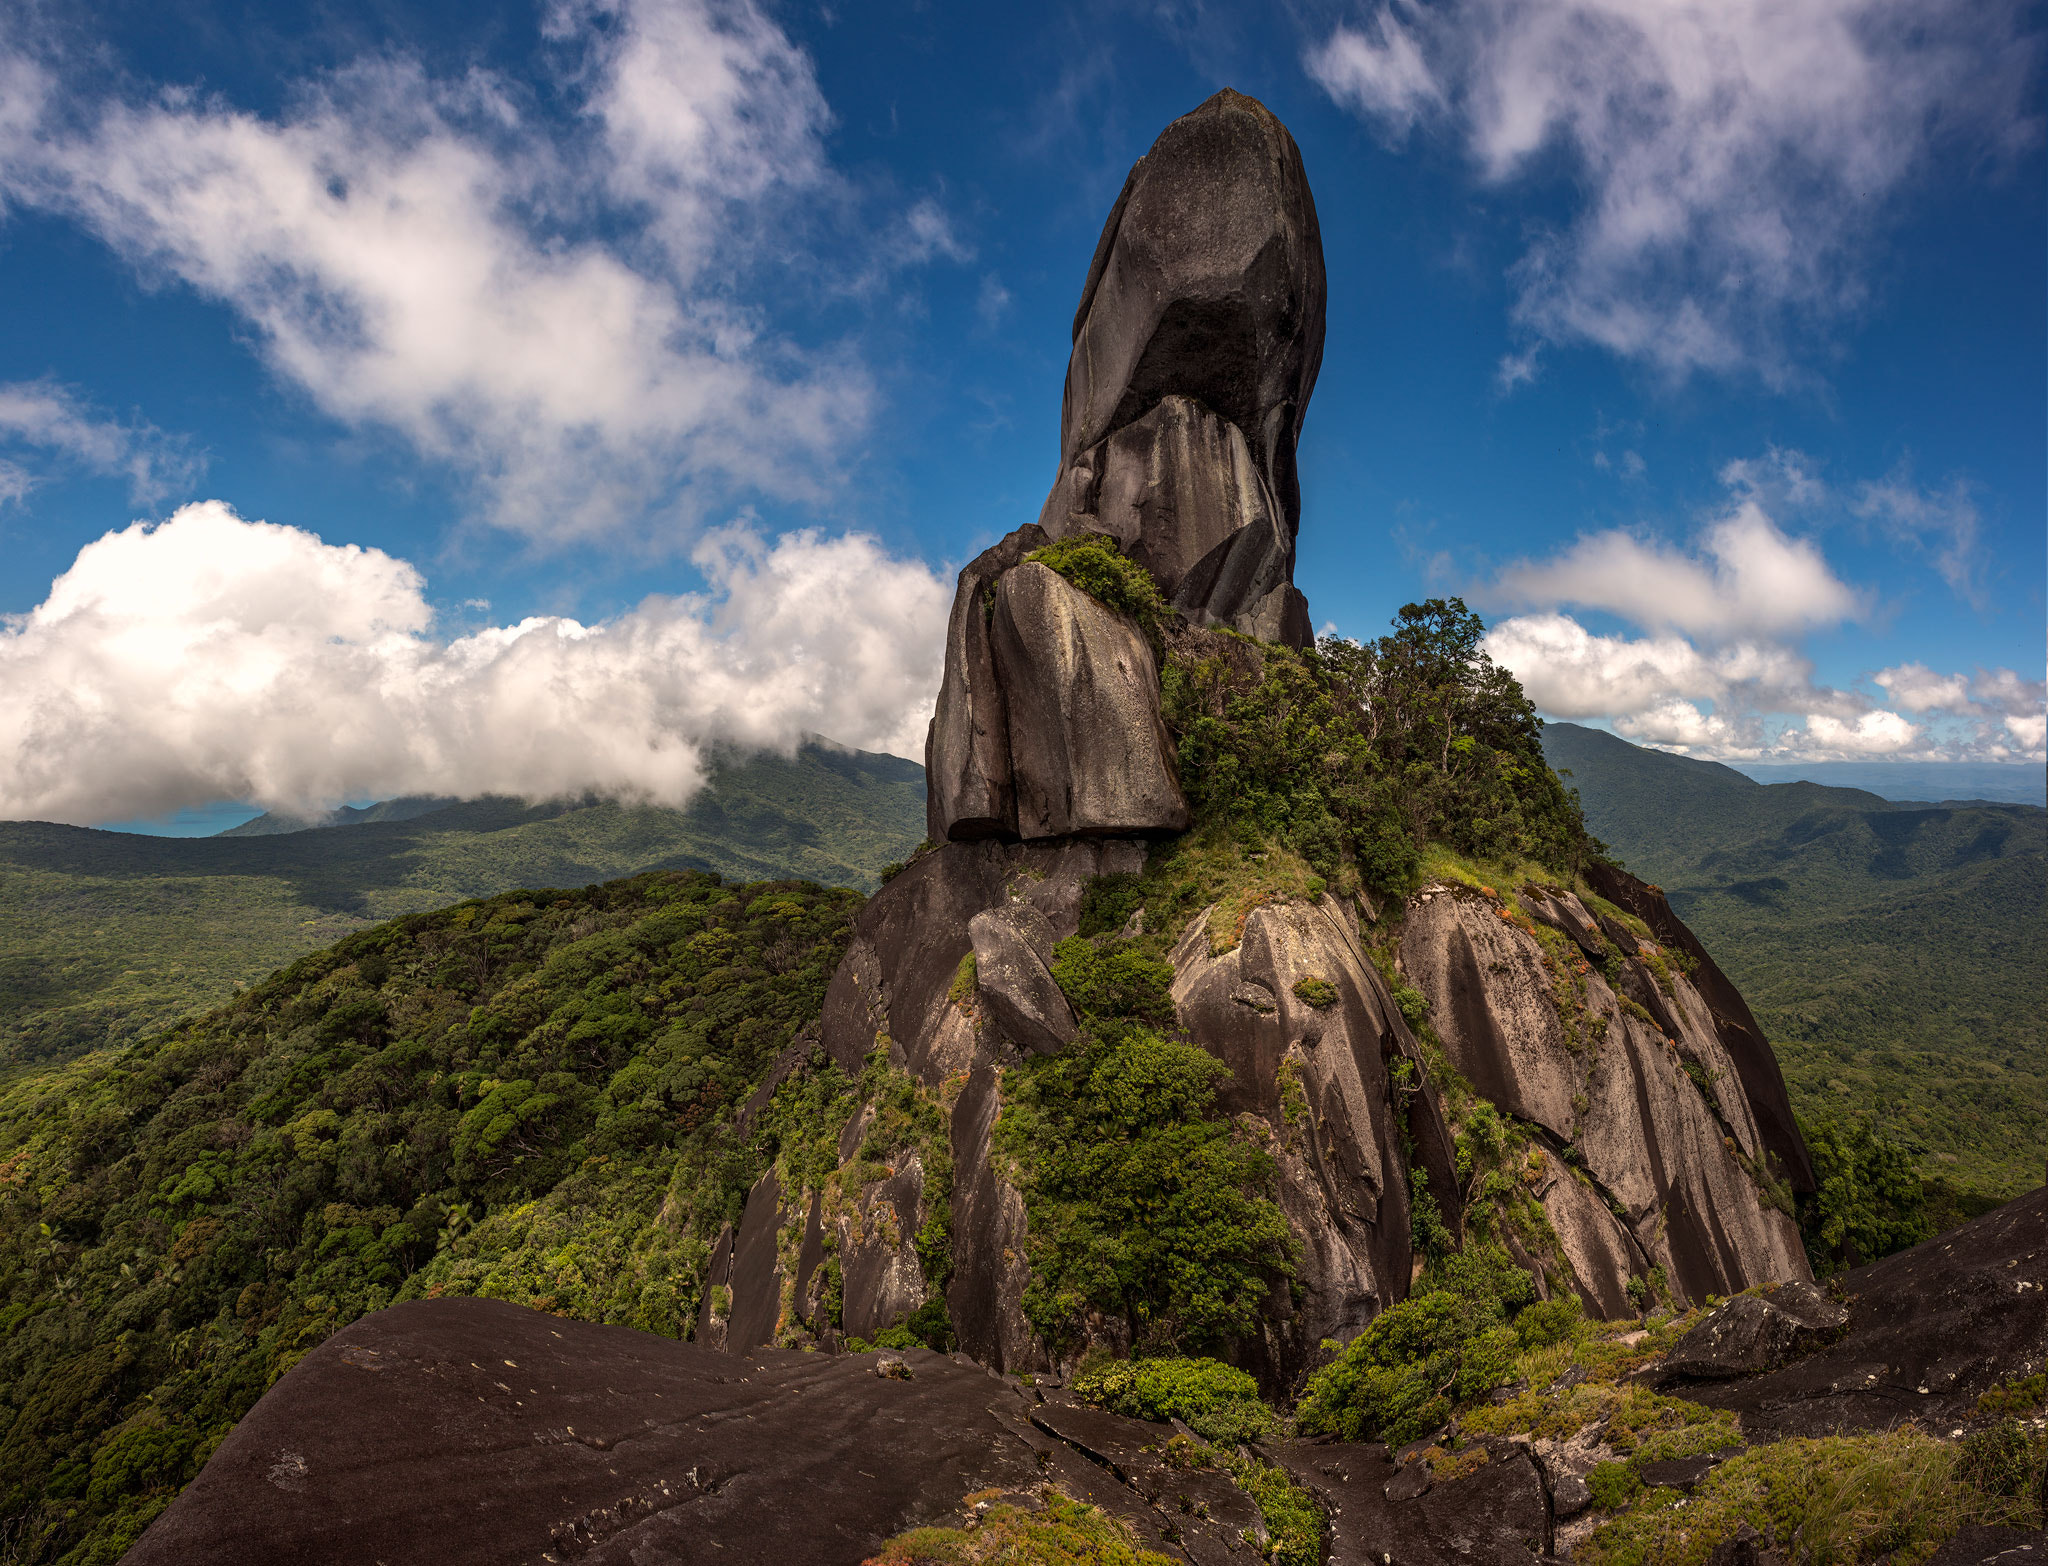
{"x":1196,"y":348}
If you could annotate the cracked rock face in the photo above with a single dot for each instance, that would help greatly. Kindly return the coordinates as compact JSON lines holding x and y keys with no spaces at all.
{"x":1317,"y":1073}
{"x":1013,"y":972}
{"x":1631,"y":1077}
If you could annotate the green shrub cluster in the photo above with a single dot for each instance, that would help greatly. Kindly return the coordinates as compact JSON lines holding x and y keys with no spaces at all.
{"x":1217,"y":1401}
{"x":500,"y":1099}
{"x":1453,"y":1341}
{"x":1358,"y":755}
{"x":1890,"y":1496}
{"x":1096,"y":563}
{"x":1145,"y":1203}
{"x":1063,"y":1532}
{"x":2000,"y":1460}
{"x":2015,"y":1397}
{"x":1401,"y":1377}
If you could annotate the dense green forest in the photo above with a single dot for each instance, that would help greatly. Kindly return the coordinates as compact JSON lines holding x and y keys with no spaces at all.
{"x":1895,"y":952}
{"x":107,"y":935}
{"x":529,"y":1097}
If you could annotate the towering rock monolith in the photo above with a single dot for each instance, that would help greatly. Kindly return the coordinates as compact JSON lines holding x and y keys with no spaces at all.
{"x":1196,"y":347}
{"x":1195,"y":350}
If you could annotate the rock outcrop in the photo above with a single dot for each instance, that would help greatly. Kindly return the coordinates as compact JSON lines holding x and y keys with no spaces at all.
{"x":1196,"y":347}
{"x":1623,"y":1073}
{"x":1659,"y":1113}
{"x":480,"y":1432}
{"x":1929,"y":1331}
{"x":1580,"y":1026}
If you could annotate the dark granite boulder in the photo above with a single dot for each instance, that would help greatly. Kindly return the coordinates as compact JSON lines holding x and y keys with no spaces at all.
{"x":1171,"y":486}
{"x":1207,"y":283}
{"x":467,"y":1432}
{"x":967,"y":749}
{"x":1756,"y":1332}
{"x":1978,"y":1545}
{"x":1013,"y":975}
{"x":1930,"y":1331}
{"x":1497,"y":1515}
{"x":1089,"y":753}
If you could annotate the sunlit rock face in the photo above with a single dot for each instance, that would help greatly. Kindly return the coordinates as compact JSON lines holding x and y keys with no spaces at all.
{"x":1633,"y":1080}
{"x":1196,"y":348}
{"x":1208,"y":289}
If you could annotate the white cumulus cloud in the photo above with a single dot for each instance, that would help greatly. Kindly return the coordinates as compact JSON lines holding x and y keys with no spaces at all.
{"x":1734,"y":158}
{"x":1746,"y":577}
{"x":565,"y":305}
{"x":209,"y":657}
{"x":1877,"y":733}
{"x":1918,"y":688}
{"x":1720,"y":671}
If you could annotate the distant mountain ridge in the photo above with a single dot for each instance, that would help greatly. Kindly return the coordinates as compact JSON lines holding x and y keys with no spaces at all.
{"x":105,"y":935}
{"x":410,"y":807}
{"x":1896,"y":951}
{"x":1933,"y":782}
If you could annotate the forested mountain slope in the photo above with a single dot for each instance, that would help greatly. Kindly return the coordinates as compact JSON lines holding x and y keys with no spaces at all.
{"x":1896,"y":952}
{"x":498,"y":1098}
{"x":106,"y":935}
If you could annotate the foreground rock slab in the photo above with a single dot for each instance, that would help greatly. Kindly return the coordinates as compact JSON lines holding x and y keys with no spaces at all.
{"x":1930,"y":1331}
{"x":1496,"y":1515}
{"x":460,"y":1431}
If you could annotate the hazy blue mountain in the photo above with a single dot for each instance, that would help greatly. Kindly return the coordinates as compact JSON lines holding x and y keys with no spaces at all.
{"x":412,"y":806}
{"x":2007,"y":783}
{"x":1896,"y":951}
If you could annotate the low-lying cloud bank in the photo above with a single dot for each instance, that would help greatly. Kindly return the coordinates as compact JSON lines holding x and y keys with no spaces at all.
{"x":1722,"y":620}
{"x":210,"y":657}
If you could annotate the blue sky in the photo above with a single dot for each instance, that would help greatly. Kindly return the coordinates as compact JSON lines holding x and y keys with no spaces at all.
{"x":475,"y":398}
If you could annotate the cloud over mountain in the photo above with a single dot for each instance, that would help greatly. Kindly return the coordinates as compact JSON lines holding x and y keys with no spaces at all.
{"x":210,"y":657}
{"x":1724,"y":618}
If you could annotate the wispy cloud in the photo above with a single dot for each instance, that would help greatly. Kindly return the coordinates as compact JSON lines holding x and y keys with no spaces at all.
{"x":210,"y":657}
{"x":1941,"y":525}
{"x":566,"y":307}
{"x":1735,"y":158}
{"x":57,"y":421}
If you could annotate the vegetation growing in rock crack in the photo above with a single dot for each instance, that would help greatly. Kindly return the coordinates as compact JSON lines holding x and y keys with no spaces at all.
{"x":1095,"y":563}
{"x":1144,"y":1202}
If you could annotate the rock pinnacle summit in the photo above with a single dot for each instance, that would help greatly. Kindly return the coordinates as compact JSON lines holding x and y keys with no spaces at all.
{"x":1196,"y":347}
